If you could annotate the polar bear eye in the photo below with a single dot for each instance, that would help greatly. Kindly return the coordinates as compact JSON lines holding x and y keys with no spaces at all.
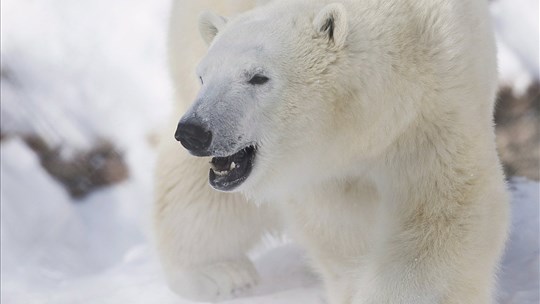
{"x":258,"y":79}
{"x":200,"y":78}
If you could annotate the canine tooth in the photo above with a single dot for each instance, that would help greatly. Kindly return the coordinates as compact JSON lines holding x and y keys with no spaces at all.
{"x":233,"y":165}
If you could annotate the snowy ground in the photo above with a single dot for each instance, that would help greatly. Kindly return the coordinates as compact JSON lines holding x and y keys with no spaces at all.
{"x":95,"y":68}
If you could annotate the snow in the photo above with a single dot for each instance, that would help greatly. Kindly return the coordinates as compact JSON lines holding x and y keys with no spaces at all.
{"x":100,"y":63}
{"x":519,"y":279}
{"x":75,"y":71}
{"x":520,"y":37}
{"x":517,"y":42}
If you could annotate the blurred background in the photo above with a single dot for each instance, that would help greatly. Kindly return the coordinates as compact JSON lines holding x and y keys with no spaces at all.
{"x":84,"y":93}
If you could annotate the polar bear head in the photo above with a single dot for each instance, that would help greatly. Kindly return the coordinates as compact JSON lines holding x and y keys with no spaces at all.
{"x":271,"y":110}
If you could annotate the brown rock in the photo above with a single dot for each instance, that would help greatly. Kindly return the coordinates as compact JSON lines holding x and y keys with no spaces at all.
{"x":518,"y":132}
{"x":85,"y":171}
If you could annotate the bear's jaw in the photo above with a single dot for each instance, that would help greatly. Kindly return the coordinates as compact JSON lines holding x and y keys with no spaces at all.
{"x":227,"y":173}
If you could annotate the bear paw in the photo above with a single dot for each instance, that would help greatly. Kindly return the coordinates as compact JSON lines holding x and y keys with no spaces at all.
{"x":216,"y":282}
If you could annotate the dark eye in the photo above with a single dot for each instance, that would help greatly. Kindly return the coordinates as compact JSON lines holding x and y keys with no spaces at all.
{"x":258,"y":79}
{"x":200,"y":78}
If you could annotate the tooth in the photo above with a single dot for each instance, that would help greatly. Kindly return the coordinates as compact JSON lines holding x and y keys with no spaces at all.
{"x":233,"y":165}
{"x":221,"y":173}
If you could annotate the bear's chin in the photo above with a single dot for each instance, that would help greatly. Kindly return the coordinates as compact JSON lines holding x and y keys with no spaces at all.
{"x":229,"y":172}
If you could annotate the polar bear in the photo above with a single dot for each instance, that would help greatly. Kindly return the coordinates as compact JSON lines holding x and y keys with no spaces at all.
{"x":363,"y":127}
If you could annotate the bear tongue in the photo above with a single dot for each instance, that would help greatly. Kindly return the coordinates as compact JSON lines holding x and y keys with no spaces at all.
{"x":221,"y":163}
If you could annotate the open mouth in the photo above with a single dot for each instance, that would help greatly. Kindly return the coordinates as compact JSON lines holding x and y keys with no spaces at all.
{"x":227,"y":173}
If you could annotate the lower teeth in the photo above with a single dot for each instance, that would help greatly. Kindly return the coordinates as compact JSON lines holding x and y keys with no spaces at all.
{"x":221,"y":173}
{"x":224,"y":172}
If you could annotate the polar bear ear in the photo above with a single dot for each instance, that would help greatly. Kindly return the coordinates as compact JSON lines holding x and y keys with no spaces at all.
{"x":210,"y":24}
{"x":331,"y":22}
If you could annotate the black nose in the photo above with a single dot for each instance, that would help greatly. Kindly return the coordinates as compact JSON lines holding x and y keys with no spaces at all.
{"x":194,"y":136}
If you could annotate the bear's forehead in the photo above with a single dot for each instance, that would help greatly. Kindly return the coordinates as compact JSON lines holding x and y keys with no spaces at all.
{"x":249,"y":40}
{"x":250,"y":32}
{"x":253,"y":41}
{"x":233,"y":56}
{"x":235,"y":50}
{"x":259,"y":36}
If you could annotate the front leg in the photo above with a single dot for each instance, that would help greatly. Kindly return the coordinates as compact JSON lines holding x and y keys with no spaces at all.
{"x":335,"y":223}
{"x":442,"y":252}
{"x":203,"y":235}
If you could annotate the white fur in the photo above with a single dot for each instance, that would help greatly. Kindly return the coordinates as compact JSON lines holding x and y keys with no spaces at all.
{"x":376,"y":146}
{"x":210,"y":24}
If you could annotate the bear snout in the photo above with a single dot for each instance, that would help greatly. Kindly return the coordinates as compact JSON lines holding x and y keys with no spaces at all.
{"x":194,"y":136}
